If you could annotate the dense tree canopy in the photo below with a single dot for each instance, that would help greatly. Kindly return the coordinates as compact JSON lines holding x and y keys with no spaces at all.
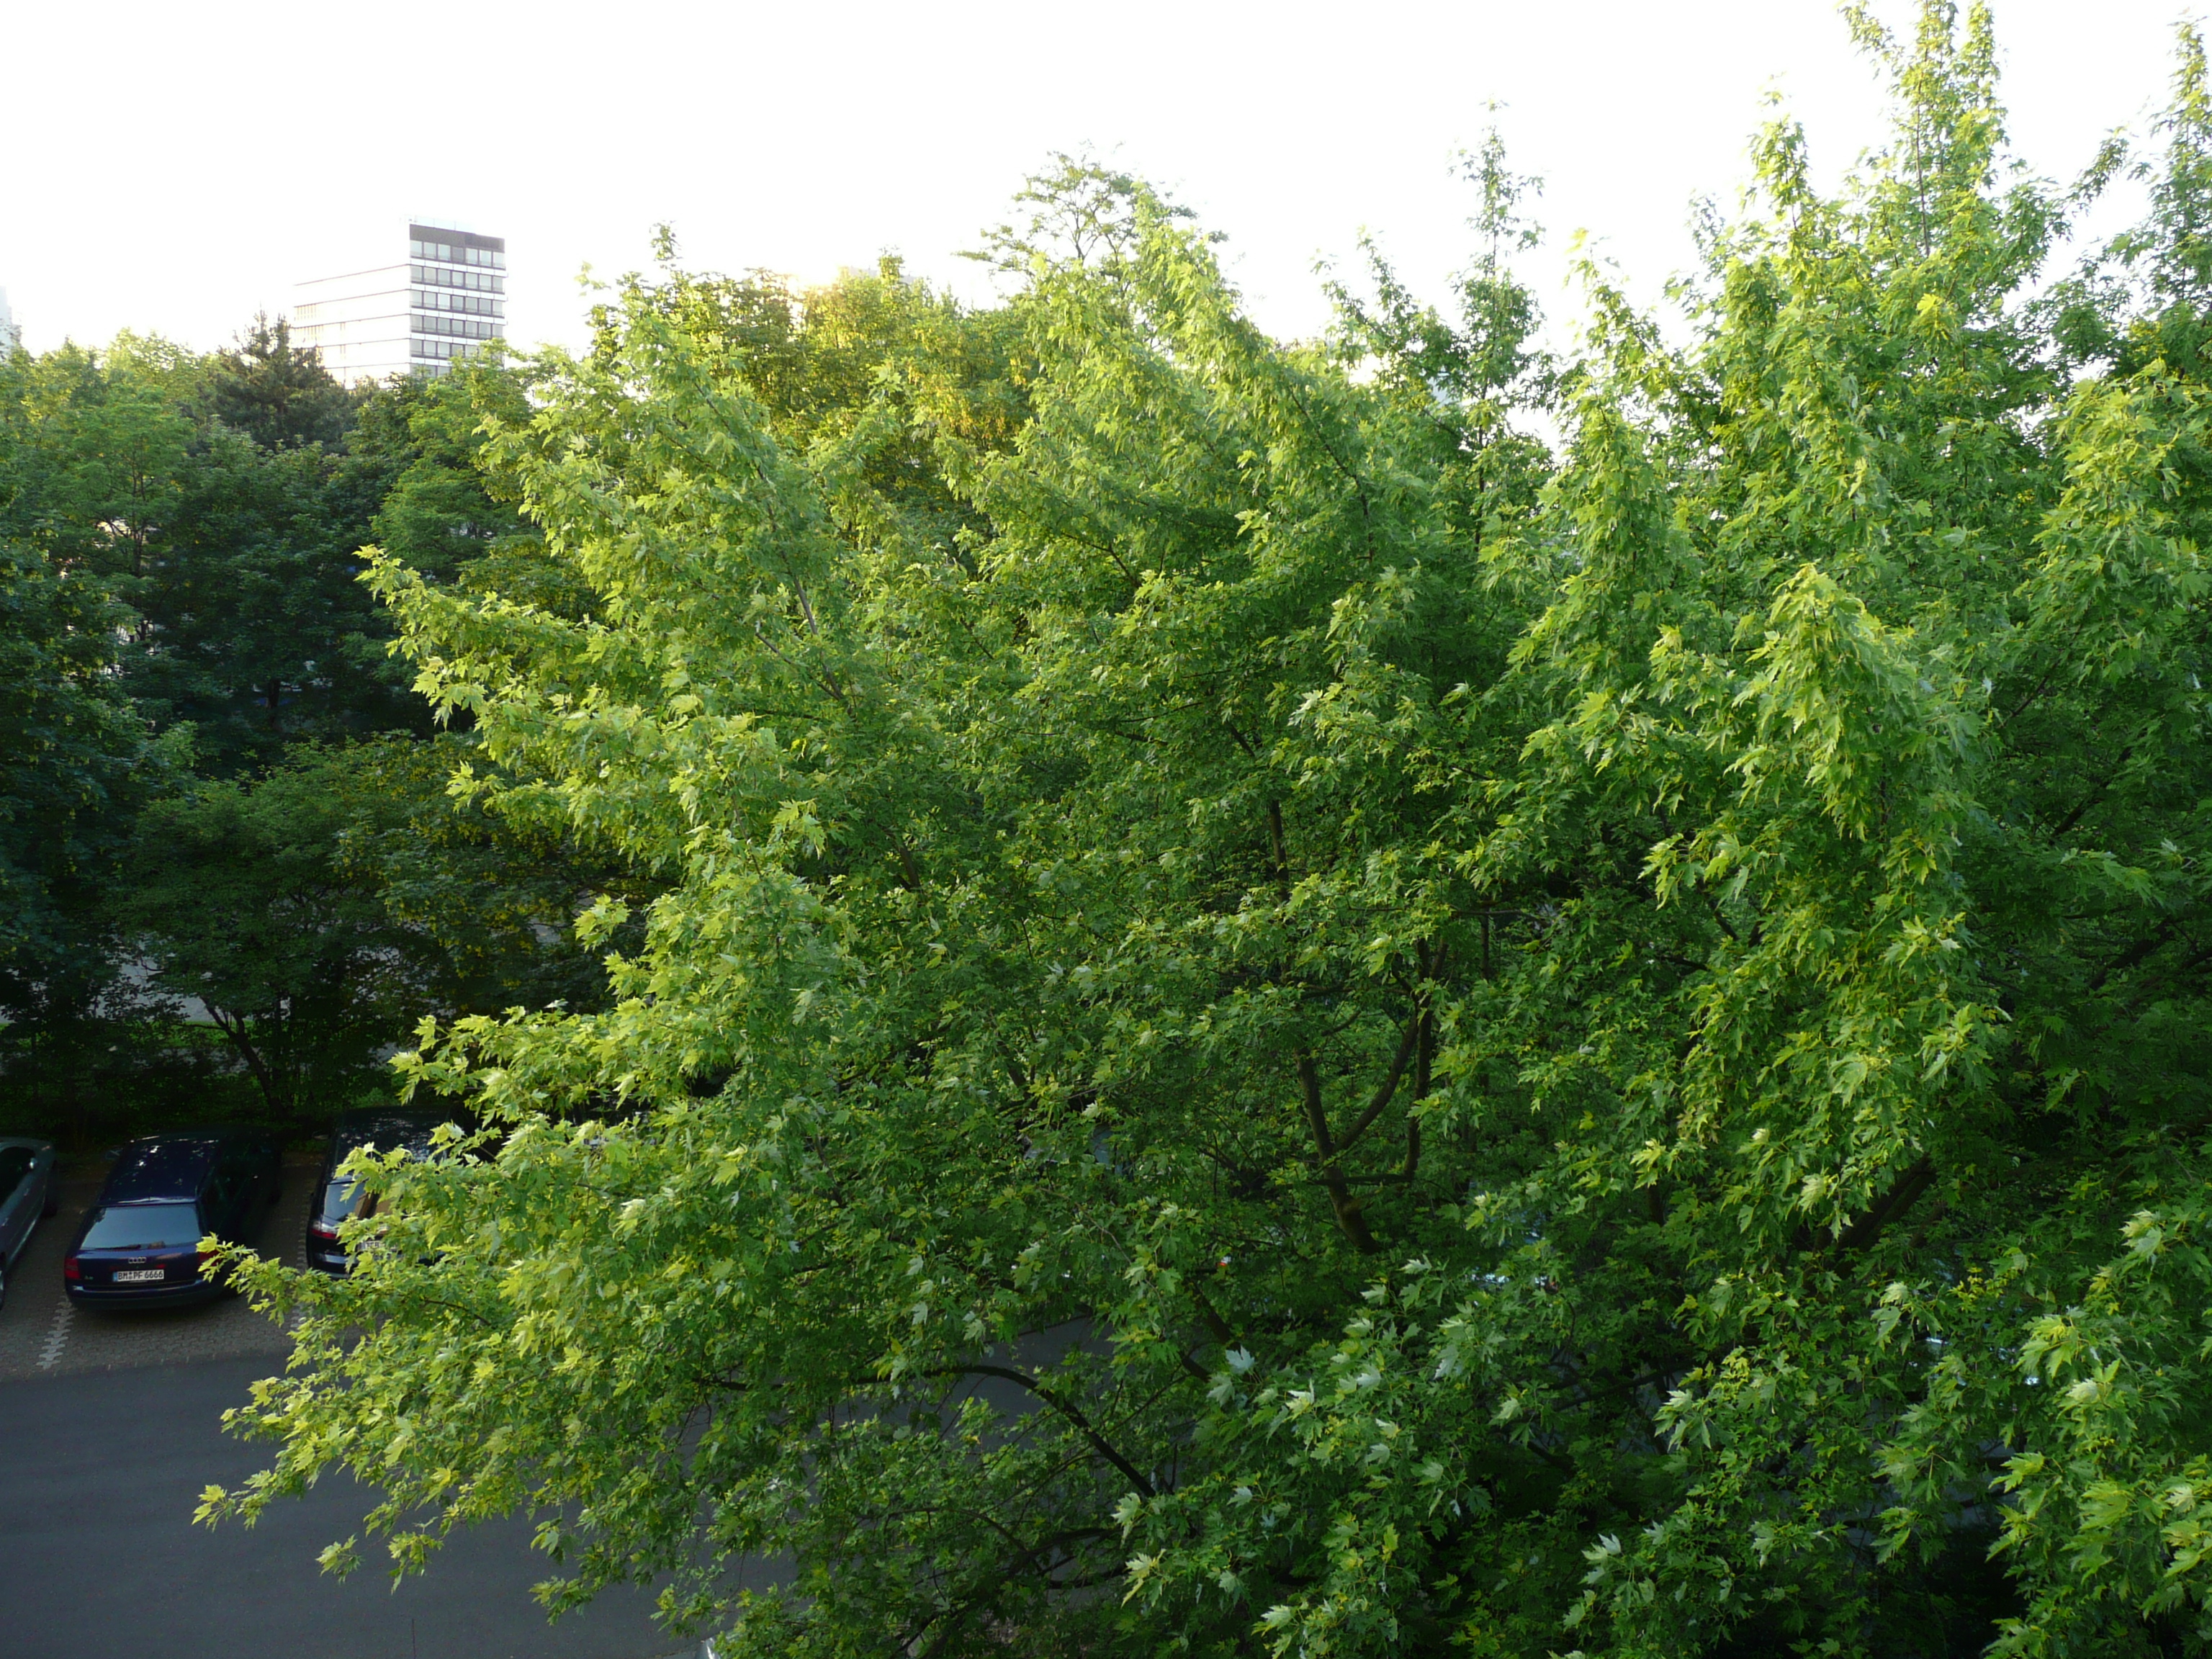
{"x":217,"y":791}
{"x":276,"y":394}
{"x":77,"y":757}
{"x":1259,"y":1015}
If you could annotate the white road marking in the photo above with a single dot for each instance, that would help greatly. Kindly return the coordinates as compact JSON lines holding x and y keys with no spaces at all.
{"x":56,"y":1334}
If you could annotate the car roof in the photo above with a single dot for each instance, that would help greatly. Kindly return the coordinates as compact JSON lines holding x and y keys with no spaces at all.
{"x":172,"y":1165}
{"x":26,"y":1140}
{"x":385,"y":1129}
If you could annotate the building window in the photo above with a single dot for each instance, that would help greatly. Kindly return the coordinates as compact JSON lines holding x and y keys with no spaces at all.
{"x":431,"y":299}
{"x":454,"y":253}
{"x":436,"y":276}
{"x":468,"y":328}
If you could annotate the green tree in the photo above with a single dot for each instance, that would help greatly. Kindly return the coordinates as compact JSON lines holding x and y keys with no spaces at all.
{"x":489,"y":906}
{"x":239,"y":899}
{"x":254,"y":629}
{"x":76,"y":757}
{"x":276,"y":394}
{"x":96,"y":450}
{"x":184,"y":535}
{"x":1277,"y":1022}
{"x":69,"y":746}
{"x":236,"y":558}
{"x":438,"y":508}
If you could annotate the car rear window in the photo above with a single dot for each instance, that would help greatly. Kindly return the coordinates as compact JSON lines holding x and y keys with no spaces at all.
{"x":143,"y":1227}
{"x":162,"y":1167}
{"x":341,"y":1198}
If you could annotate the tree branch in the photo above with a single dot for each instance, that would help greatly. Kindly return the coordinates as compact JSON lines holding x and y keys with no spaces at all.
{"x":1900,"y":1197}
{"x":1388,"y":1088}
{"x":2134,"y":954}
{"x":2096,"y":793}
{"x":1073,"y":1413}
{"x":1340,"y":1200}
{"x":1424,"y":1059}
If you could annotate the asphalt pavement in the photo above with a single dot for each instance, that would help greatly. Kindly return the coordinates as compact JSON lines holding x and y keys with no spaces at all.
{"x":110,"y":1428}
{"x":99,"y":1559}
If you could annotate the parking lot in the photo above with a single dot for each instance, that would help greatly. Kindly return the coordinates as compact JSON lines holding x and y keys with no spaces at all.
{"x":111,"y":1423}
{"x":42,"y":1334}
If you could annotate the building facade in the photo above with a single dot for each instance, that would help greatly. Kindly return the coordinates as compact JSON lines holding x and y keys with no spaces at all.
{"x":444,"y":301}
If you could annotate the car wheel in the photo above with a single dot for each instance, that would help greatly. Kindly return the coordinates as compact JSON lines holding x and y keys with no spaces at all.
{"x":3,"y":1284}
{"x":53,"y":1202}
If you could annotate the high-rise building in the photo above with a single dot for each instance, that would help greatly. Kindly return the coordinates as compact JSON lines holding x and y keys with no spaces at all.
{"x":446,"y":299}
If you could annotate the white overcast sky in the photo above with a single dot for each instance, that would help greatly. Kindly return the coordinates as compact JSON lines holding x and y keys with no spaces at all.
{"x":170,"y":167}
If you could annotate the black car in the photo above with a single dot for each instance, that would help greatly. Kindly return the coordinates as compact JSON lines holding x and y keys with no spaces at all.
{"x":27,"y":1196}
{"x":338,"y":1197}
{"x":138,"y":1246}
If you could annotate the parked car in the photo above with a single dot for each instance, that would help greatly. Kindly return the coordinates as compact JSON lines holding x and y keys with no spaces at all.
{"x":338,"y":1196}
{"x":138,"y":1246}
{"x":26,"y":1193}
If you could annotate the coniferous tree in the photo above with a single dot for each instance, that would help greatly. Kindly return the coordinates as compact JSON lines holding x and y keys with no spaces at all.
{"x":276,"y":394}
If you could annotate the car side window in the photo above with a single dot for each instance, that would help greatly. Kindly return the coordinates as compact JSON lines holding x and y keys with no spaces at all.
{"x":14,"y":1169}
{"x":234,"y":1180}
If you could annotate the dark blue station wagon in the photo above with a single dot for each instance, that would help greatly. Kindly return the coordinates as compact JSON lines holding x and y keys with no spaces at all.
{"x":138,"y":1246}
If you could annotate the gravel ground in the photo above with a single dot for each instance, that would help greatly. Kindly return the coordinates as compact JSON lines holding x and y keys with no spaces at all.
{"x":41,"y":1335}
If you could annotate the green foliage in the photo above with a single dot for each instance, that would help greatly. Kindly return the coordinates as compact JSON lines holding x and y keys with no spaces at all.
{"x":275,"y":392}
{"x":1262,"y":1017}
{"x":317,"y":912}
{"x":235,"y":560}
{"x":488,"y":908}
{"x":438,"y":512}
{"x":88,"y":1074}
{"x":180,"y":542}
{"x":239,"y":898}
{"x":96,"y":451}
{"x":72,"y":749}
{"x":76,"y":757}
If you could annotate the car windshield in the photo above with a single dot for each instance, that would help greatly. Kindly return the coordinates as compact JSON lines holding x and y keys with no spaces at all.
{"x":143,"y":1227}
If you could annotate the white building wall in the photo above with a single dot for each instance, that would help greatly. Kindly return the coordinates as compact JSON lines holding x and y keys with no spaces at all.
{"x":356,"y":323}
{"x":447,"y":299}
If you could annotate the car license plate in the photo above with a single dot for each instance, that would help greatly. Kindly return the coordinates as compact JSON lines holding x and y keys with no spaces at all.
{"x":140,"y":1275}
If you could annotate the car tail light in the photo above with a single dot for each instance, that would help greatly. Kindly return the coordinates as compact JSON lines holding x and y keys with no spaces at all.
{"x":71,"y":1271}
{"x":323,"y":1232}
